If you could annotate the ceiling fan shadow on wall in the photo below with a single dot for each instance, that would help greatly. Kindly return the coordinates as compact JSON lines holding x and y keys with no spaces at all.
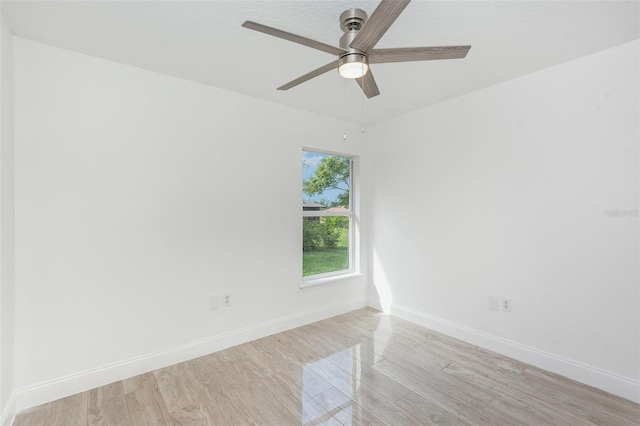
{"x":356,"y":51}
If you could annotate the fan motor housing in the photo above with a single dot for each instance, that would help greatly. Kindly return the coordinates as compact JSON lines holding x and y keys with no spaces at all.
{"x":351,"y":21}
{"x":354,"y":57}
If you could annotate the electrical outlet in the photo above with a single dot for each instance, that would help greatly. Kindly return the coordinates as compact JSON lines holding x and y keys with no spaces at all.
{"x":494,"y":303}
{"x":214,"y":303}
{"x":506,"y":305}
{"x":226,"y":300}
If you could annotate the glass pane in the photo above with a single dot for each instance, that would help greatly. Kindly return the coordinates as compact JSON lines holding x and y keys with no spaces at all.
{"x":325,"y":244}
{"x":326,"y":182}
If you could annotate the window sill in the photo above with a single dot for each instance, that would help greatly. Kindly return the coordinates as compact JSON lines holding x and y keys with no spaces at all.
{"x":315,"y":283}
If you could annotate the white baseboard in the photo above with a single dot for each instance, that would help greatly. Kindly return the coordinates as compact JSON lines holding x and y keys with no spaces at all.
{"x":374,"y":303}
{"x":617,"y":385}
{"x":9,"y":411}
{"x":86,"y":380}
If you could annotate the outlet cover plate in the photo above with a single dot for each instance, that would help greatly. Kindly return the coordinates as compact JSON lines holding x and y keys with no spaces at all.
{"x":214,"y":303}
{"x":506,"y":305}
{"x":226,"y":300}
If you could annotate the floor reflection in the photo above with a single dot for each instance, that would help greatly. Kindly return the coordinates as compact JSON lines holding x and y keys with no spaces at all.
{"x":343,"y":369}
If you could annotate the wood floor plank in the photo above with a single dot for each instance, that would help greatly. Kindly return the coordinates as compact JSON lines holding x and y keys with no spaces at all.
{"x":306,"y":379}
{"x":224,"y":409}
{"x":399,"y":353}
{"x":506,"y":410}
{"x":72,"y":410}
{"x":384,"y":333}
{"x":458,"y":398}
{"x":428,"y":412}
{"x":272,"y":357}
{"x":142,"y":381}
{"x":519,"y":390}
{"x":383,"y":409}
{"x":293,"y":349}
{"x":613,"y":418}
{"x":107,"y":405}
{"x":318,"y":343}
{"x":217,"y":394}
{"x":36,"y":416}
{"x":423,"y":335}
{"x":599,"y":402}
{"x":365,"y":314}
{"x":368,"y":405}
{"x":346,"y":341}
{"x":260,"y":405}
{"x":331,"y":335}
{"x":501,"y":362}
{"x":370,"y":376}
{"x":470,"y":357}
{"x":208,"y":373}
{"x":503,"y":378}
{"x":241,"y":372}
{"x":297,"y":402}
{"x":145,"y":407}
{"x":343,"y":408}
{"x":314,"y":414}
{"x":185,"y":406}
{"x":378,"y":404}
{"x":333,"y":374}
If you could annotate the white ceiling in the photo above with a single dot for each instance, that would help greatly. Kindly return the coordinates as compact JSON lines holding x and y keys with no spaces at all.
{"x":204,"y":42}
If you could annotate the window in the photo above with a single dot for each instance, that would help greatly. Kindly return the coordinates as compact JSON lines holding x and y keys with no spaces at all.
{"x":327,"y":215}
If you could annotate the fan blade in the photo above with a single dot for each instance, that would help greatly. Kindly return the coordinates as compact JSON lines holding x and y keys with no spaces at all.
{"x":378,"y":24}
{"x":308,"y":76}
{"x":293,"y":37}
{"x":368,"y":84}
{"x":409,"y":54}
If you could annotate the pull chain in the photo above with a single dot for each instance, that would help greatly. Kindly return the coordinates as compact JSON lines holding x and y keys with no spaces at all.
{"x":344,"y":104}
{"x":362,"y":113}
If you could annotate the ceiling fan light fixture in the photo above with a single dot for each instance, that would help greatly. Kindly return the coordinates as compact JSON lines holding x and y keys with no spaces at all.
{"x":353,"y":65}
{"x":357,"y":45}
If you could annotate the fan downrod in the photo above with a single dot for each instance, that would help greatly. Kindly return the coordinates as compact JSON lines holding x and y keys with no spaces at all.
{"x":351,"y":21}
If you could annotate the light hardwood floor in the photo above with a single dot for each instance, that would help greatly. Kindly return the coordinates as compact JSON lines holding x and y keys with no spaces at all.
{"x":359,"y":368}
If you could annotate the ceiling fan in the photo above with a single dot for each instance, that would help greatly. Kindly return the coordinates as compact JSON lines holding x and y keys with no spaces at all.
{"x":357,"y":44}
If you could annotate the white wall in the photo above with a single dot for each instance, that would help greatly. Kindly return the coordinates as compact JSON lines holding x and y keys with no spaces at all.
{"x":502,"y":192}
{"x":7,"y":407}
{"x":138,"y":196}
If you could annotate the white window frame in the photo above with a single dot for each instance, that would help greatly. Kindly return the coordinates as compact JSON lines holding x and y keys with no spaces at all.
{"x":335,"y":277}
